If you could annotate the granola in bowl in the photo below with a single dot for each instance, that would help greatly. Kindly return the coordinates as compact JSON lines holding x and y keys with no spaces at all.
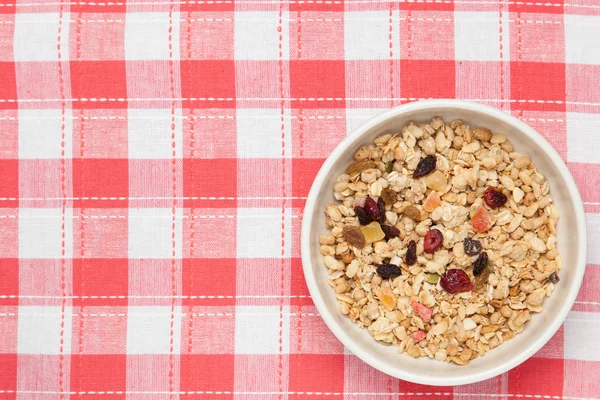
{"x":443,"y":241}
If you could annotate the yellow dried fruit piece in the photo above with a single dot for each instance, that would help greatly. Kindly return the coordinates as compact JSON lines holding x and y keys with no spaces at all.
{"x":432,"y":201}
{"x":436,"y":181}
{"x":387,"y":298}
{"x":372,"y":232}
{"x":359,"y":166}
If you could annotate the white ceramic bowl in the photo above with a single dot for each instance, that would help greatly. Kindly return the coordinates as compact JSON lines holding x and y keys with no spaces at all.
{"x":571,"y":244}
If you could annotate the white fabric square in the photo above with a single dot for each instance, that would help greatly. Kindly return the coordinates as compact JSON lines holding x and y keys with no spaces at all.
{"x":39,"y":330}
{"x":581,"y":336}
{"x":40,"y":233}
{"x":150,"y":135}
{"x":257,"y":329}
{"x":36,"y":36}
{"x":263,"y":226}
{"x":150,"y":232}
{"x":592,"y":222}
{"x":366,"y":35}
{"x":477,"y":36}
{"x":256,"y":36}
{"x":582,"y":137}
{"x":40,"y":133}
{"x":149,"y":330}
{"x":355,"y":117}
{"x":581,"y":39}
{"x":147,"y":36}
{"x":259,"y":132}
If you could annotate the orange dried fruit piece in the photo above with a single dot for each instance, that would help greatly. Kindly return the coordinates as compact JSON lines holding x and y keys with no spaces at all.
{"x":372,"y":232}
{"x":481,"y":220}
{"x":432,"y":201}
{"x":387,"y":297}
{"x":436,"y":181}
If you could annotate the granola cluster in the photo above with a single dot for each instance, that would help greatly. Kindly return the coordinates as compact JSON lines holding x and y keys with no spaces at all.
{"x":443,"y":242}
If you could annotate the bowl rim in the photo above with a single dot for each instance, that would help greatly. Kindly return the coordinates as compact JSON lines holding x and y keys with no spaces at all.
{"x":306,"y":244}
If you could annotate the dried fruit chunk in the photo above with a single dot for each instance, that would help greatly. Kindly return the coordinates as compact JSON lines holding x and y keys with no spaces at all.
{"x":359,"y":166}
{"x":387,"y":297}
{"x":372,"y":232}
{"x":436,"y":181}
{"x":432,"y":279}
{"x":389,"y":166}
{"x":389,"y":196}
{"x":481,"y":220}
{"x":455,"y":281}
{"x":381,"y":207}
{"x":480,"y":264}
{"x":472,"y":246}
{"x":362,"y":215}
{"x":354,"y":236}
{"x":413,"y":213}
{"x":372,"y":209}
{"x":388,"y":271}
{"x":432,"y":201}
{"x":424,"y":312}
{"x":481,"y":280}
{"x":418,"y":336}
{"x":390,"y":231}
{"x":433,"y":240}
{"x":411,"y":253}
{"x":424,"y":167}
{"x":494,"y":198}
{"x":553,"y":278}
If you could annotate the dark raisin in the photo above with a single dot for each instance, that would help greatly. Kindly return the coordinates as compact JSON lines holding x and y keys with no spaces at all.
{"x":381,"y":207}
{"x":425,"y":166}
{"x":390,"y":231}
{"x":433,"y":240}
{"x":480,"y":264}
{"x":388,"y":270}
{"x":494,"y":198}
{"x":411,"y":253}
{"x":472,"y":246}
{"x":389,"y":166}
{"x":372,"y":209}
{"x":362,"y":215}
{"x":553,"y":278}
{"x":455,"y":281}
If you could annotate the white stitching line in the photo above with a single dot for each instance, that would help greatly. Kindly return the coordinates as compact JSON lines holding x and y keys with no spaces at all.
{"x":494,"y":395}
{"x":110,"y":315}
{"x":101,"y":4}
{"x":8,"y":22}
{"x":324,"y":117}
{"x":124,"y":99}
{"x":191,"y":297}
{"x":152,"y":198}
{"x":153,"y":217}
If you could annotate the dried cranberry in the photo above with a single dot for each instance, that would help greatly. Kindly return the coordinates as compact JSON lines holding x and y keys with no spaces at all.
{"x":362,"y":215}
{"x":424,"y":167}
{"x":388,"y":270}
{"x":553,"y":278}
{"x":494,"y":198}
{"x":411,"y":253}
{"x":455,"y":281}
{"x":381,"y":207}
{"x":480,"y":264}
{"x":390,"y":231}
{"x":372,"y":209}
{"x":472,"y":246}
{"x":433,"y":240}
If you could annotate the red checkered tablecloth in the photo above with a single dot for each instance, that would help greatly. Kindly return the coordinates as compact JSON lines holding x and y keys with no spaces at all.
{"x":155,"y":156}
